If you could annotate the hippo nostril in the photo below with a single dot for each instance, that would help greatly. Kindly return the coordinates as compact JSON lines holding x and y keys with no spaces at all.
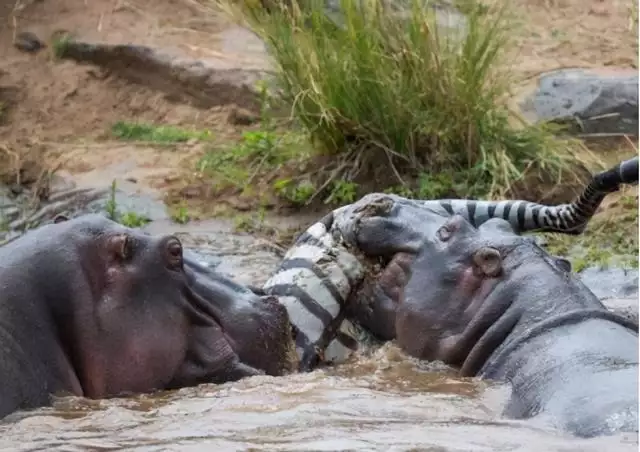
{"x":489,"y":261}
{"x":444,"y":233}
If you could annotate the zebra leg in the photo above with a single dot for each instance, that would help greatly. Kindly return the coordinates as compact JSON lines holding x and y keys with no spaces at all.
{"x":314,"y":281}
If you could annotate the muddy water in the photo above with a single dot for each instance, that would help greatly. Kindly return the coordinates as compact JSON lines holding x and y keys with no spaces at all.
{"x":381,"y":400}
{"x":382,"y":403}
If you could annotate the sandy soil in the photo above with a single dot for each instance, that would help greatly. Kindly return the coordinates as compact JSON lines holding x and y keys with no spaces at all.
{"x":65,"y":110}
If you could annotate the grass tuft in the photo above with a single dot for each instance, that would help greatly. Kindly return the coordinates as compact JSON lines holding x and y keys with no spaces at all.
{"x":609,"y":240}
{"x":129,"y":219}
{"x":399,"y":102}
{"x":132,"y":131}
{"x":60,"y":44}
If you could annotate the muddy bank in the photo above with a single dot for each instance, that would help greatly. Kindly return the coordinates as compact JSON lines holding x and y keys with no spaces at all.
{"x":203,"y":83}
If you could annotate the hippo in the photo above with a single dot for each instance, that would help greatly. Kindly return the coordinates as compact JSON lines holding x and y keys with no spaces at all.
{"x":493,"y":304}
{"x":374,"y":309}
{"x":91,"y":308}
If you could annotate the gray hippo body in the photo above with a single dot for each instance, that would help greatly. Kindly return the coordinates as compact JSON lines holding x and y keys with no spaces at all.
{"x":495,"y":305}
{"x":91,"y":308}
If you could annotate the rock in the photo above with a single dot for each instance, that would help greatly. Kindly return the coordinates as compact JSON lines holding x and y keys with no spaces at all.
{"x":447,"y":16}
{"x":27,"y":41}
{"x":588,"y":101}
{"x":202,"y":82}
{"x":617,"y":288}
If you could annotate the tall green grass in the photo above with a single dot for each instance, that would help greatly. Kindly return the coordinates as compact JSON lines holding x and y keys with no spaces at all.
{"x":391,"y":99}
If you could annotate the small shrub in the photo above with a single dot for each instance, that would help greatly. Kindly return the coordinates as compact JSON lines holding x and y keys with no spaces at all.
{"x":297,"y":193}
{"x":386,"y":98}
{"x":133,"y":220}
{"x":60,"y":44}
{"x":180,"y":215}
{"x":257,"y":153}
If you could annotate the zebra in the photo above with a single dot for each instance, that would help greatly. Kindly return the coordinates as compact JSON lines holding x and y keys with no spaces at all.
{"x":525,"y":216}
{"x":319,"y":274}
{"x":316,"y":278}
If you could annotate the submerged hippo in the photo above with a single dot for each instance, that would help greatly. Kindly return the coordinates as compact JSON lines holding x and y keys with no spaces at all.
{"x":495,"y":305}
{"x":95,"y":309}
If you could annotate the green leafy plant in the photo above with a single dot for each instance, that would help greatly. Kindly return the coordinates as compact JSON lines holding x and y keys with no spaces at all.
{"x":129,"y":219}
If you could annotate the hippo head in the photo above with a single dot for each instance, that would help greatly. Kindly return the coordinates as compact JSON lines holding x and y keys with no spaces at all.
{"x":466,"y":289}
{"x":133,"y":321}
{"x":471,"y":288}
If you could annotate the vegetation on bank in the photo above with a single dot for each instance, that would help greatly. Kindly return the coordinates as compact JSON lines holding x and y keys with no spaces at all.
{"x":159,"y":134}
{"x":386,"y":103}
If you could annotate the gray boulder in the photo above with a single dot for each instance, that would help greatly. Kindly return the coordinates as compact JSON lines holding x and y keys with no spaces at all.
{"x":588,"y":101}
{"x":617,"y":288}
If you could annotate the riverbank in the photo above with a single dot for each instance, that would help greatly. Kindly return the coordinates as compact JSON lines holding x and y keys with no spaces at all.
{"x":154,"y":135}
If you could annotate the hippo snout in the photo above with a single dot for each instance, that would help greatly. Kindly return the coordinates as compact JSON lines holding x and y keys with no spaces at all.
{"x":172,"y":251}
{"x":488,"y":261}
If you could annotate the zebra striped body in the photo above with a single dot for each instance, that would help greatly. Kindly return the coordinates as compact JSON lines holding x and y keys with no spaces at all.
{"x":314,"y":282}
{"x":318,"y":275}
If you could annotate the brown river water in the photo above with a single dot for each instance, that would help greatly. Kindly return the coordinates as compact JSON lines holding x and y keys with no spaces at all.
{"x":380,"y":401}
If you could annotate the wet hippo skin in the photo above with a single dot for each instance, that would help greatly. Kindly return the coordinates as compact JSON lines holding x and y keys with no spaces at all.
{"x":91,"y":308}
{"x":257,"y":325}
{"x":493,"y":304}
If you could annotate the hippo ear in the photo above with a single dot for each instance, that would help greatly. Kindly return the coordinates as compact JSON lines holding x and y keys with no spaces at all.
{"x":60,"y":218}
{"x":563,"y":264}
{"x":120,"y":246}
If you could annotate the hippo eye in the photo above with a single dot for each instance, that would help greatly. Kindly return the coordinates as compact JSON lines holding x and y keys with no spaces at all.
{"x":127,"y":248}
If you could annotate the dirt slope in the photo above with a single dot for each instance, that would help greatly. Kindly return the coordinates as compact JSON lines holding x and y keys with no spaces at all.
{"x":66,"y":109}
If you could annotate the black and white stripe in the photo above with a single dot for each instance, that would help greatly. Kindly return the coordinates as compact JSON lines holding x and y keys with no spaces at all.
{"x":314,"y":281}
{"x":526,"y":216}
{"x":318,"y":274}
